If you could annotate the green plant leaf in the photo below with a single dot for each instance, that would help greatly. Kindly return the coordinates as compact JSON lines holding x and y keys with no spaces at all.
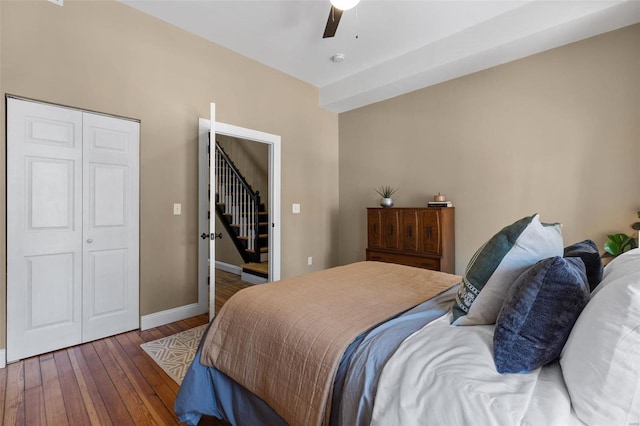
{"x":385,"y":191}
{"x":619,"y":243}
{"x":612,"y":248}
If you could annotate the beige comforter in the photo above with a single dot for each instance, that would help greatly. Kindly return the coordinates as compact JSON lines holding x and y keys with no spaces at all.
{"x":283,"y":341}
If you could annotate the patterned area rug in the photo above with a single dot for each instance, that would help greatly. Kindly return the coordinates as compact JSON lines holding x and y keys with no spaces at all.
{"x":174,"y":353}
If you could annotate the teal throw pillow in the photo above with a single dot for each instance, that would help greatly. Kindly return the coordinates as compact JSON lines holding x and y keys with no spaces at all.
{"x":497,"y":264}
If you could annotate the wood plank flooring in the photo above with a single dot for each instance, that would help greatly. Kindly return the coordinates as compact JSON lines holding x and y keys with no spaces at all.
{"x":227,"y":285}
{"x":110,"y":381}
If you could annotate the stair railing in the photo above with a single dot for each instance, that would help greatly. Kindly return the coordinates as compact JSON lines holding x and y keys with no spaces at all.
{"x":239,"y":200}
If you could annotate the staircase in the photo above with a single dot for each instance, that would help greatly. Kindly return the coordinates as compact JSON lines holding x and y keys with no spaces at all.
{"x":244,"y":217}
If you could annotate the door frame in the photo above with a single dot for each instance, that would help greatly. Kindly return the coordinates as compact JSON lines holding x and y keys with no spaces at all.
{"x":205,"y":269}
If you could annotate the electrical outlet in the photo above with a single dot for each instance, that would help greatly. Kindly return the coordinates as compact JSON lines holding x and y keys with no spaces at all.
{"x":309,"y":260}
{"x":177,"y":209}
{"x":295,"y":208}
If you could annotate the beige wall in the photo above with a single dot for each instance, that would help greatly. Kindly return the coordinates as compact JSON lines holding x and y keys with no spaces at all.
{"x":107,"y":57}
{"x":252,"y":159}
{"x":556,"y":133}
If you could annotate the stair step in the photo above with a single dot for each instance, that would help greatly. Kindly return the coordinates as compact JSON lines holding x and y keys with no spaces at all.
{"x":259,"y":236}
{"x":247,"y":214}
{"x":261,"y":207}
{"x":262,"y":250}
{"x":259,"y":269}
{"x":235,"y":225}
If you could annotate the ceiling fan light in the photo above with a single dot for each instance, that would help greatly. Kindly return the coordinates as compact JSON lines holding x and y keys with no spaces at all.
{"x":344,"y":4}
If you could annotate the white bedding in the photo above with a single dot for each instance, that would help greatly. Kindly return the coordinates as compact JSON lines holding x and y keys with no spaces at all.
{"x":445,"y":374}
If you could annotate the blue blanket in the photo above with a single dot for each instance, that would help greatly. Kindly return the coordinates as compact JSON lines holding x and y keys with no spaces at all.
{"x":207,"y":391}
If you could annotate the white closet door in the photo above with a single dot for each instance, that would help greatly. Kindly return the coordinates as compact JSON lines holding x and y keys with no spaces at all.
{"x":44,"y":228}
{"x":111,"y":231}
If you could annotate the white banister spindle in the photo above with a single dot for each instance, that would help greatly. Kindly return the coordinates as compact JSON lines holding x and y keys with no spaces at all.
{"x":242,"y":206}
{"x":245,"y":223}
{"x":246,"y":218}
{"x":227,"y":192}
{"x":219,"y":178}
{"x":252,"y":222}
{"x":238,"y":199}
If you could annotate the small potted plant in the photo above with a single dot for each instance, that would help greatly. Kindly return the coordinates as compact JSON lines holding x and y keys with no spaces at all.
{"x":619,"y":243}
{"x":386,"y":192}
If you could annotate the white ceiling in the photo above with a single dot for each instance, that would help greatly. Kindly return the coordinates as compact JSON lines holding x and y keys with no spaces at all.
{"x":391,"y":47}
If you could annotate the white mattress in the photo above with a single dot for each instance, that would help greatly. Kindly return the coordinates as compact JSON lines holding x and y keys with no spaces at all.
{"x":445,"y":374}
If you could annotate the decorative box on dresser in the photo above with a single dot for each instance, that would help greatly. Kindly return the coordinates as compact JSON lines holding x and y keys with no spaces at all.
{"x":421,"y":237}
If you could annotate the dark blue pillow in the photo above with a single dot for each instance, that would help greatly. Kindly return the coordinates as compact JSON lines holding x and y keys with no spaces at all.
{"x":587,"y":250}
{"x":538,"y":314}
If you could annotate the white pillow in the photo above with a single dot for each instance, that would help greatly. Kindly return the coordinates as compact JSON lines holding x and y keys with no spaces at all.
{"x":498,"y":263}
{"x":601,"y":359}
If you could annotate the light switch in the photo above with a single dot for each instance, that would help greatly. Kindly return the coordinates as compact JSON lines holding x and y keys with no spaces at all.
{"x":177,"y":209}
{"x":295,"y":208}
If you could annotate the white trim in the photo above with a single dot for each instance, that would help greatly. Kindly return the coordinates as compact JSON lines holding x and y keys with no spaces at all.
{"x":203,"y":219}
{"x":274,"y":186}
{"x":36,"y":101}
{"x":213,"y":126}
{"x":171,"y":315}
{"x":3,"y":358}
{"x":232,"y":269}
{"x":252,"y":279}
{"x":274,"y":200}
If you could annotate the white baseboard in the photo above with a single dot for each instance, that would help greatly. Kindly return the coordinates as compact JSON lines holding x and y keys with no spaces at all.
{"x":171,"y":315}
{"x":232,"y":269}
{"x":3,"y":358}
{"x":253,"y":279}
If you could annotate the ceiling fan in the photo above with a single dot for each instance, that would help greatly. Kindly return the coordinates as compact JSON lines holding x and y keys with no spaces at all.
{"x":335,"y":13}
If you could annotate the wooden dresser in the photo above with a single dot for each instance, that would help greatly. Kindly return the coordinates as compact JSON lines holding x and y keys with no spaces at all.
{"x":422,"y":237}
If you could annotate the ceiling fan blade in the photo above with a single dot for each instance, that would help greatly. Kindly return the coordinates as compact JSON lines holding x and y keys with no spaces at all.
{"x":332,"y":22}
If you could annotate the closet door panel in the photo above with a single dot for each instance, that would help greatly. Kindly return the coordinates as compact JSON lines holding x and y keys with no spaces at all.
{"x":44,"y":228}
{"x":111,"y":229}
{"x":108,"y":203}
{"x":108,"y":282}
{"x":50,"y":290}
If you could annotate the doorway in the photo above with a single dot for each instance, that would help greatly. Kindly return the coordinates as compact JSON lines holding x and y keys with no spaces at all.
{"x":242,"y":197}
{"x":207,"y":227}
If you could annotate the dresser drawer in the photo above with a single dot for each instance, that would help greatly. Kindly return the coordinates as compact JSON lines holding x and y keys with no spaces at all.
{"x":416,"y":236}
{"x":402,"y":259}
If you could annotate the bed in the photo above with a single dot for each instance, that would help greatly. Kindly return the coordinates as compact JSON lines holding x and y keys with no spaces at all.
{"x":532,"y":333}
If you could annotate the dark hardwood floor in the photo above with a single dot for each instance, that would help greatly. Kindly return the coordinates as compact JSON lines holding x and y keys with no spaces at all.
{"x":110,"y":381}
{"x":227,"y":285}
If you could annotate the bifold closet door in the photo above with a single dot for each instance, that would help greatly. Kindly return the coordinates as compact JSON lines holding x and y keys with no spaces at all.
{"x":44,"y":228}
{"x":72,"y":274}
{"x":110,"y":232}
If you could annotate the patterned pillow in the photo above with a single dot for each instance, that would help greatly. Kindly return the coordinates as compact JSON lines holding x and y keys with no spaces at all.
{"x":538,"y":314}
{"x":497,"y":264}
{"x":587,"y":250}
